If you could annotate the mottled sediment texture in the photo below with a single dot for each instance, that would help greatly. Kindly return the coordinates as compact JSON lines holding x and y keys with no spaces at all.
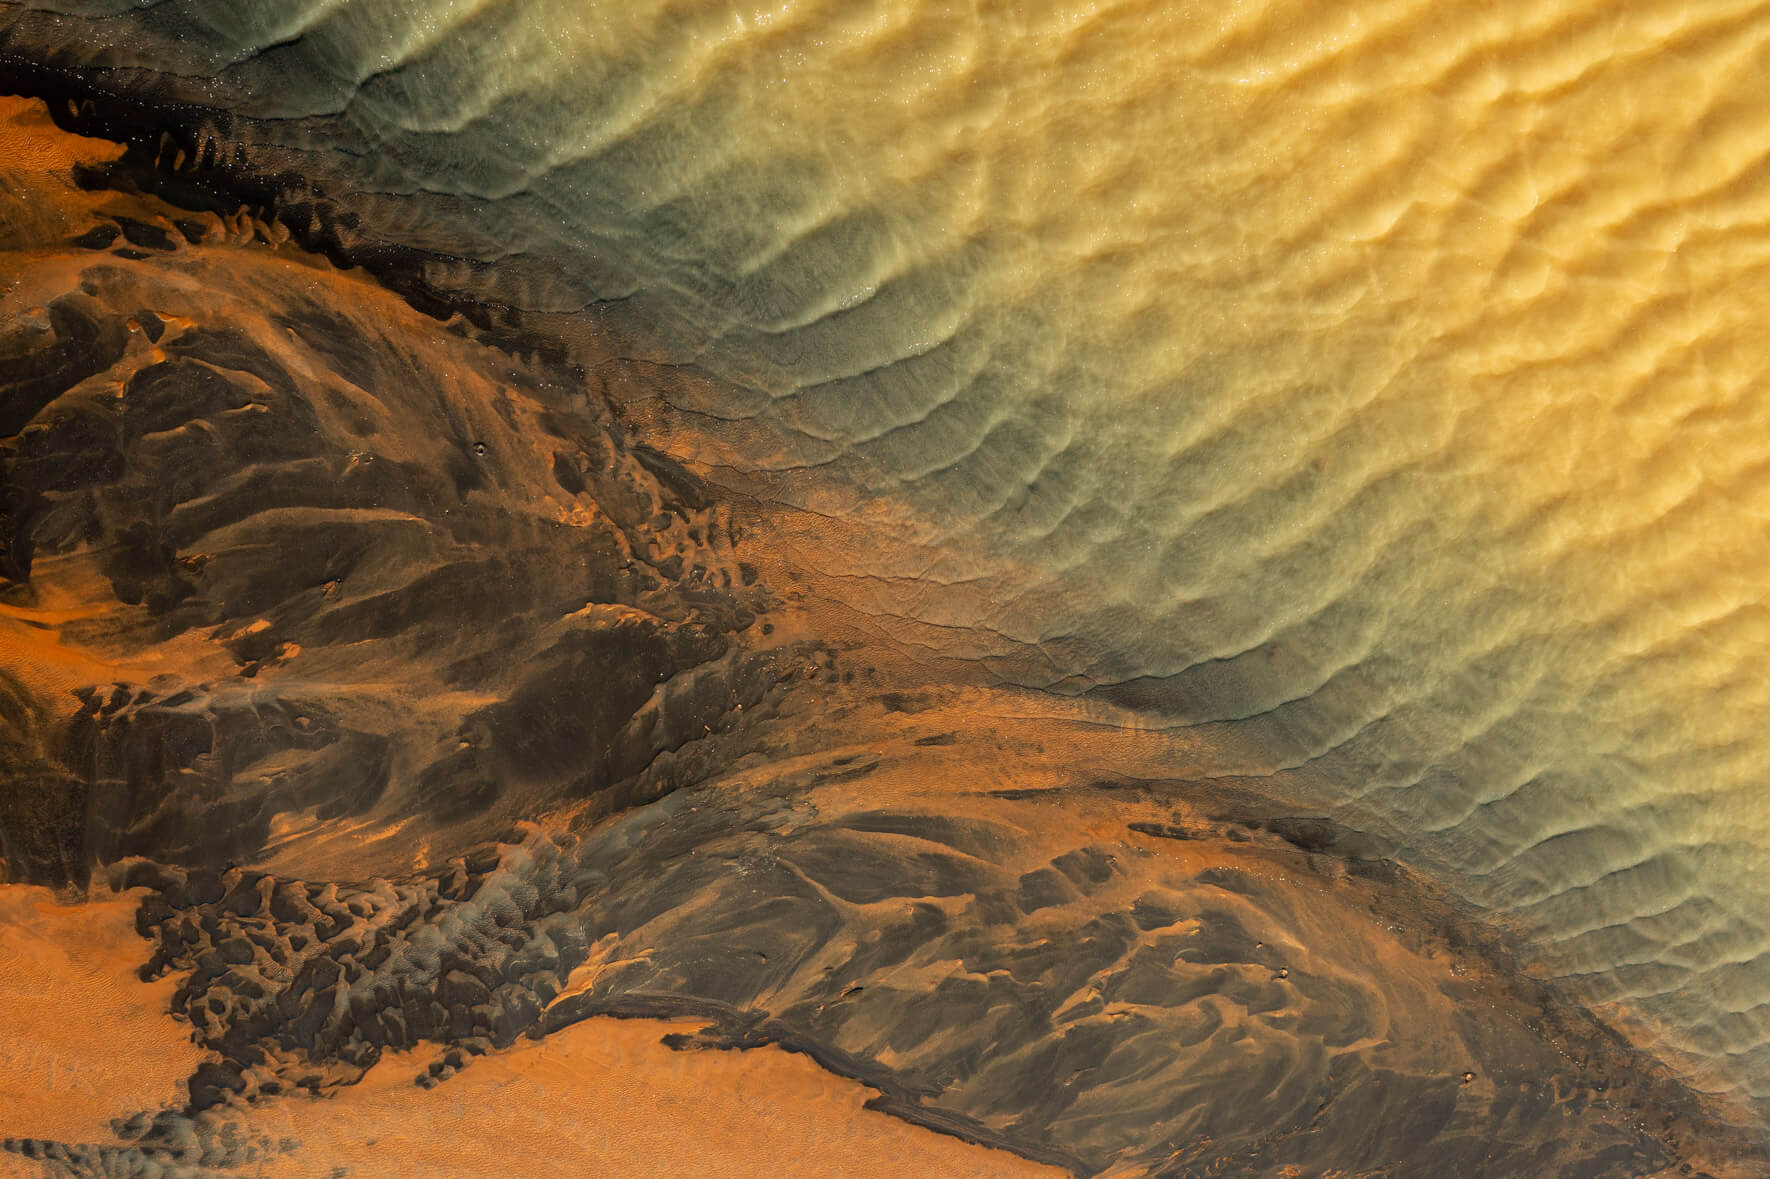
{"x":1038,"y":973}
{"x":1377,"y":387}
{"x":310,"y":597}
{"x":288,"y":543}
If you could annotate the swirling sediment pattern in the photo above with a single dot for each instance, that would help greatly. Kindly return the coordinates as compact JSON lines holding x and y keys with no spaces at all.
{"x":1378,"y":390}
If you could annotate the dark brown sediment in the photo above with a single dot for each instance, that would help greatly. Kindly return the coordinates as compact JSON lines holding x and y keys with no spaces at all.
{"x":251,"y":474}
{"x":190,"y":157}
{"x":312,"y":597}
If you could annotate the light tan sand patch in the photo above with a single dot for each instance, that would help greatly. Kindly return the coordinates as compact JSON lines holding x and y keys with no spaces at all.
{"x":82,"y":1039}
{"x":605,"y":1097}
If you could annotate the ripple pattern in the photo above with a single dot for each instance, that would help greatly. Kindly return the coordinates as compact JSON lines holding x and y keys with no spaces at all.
{"x":1379,"y":388}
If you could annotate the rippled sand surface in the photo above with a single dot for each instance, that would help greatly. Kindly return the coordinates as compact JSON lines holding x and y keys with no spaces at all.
{"x":1375,"y":392}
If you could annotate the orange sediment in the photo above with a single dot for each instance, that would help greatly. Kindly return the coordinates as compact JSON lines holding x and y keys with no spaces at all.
{"x":83,"y":1040}
{"x":607,"y":1097}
